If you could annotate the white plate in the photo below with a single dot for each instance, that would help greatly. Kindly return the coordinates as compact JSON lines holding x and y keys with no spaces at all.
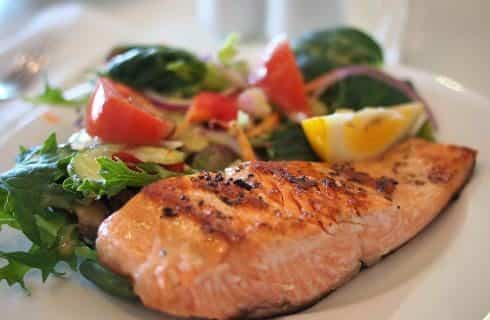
{"x":444,"y":273}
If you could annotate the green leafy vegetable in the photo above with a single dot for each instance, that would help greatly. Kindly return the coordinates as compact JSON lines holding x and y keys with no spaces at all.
{"x":426,"y":132}
{"x":220,"y":73}
{"x":14,"y":272}
{"x":159,"y":68}
{"x":28,"y":195}
{"x":33,"y":185}
{"x":321,"y":51}
{"x":215,"y":79}
{"x":107,"y":280}
{"x":115,"y":176}
{"x":174,"y":71}
{"x":54,"y":96}
{"x":286,"y":143}
{"x":229,"y":50}
{"x":86,"y":253}
{"x":357,"y":92}
{"x":20,"y":262}
{"x":33,"y":201}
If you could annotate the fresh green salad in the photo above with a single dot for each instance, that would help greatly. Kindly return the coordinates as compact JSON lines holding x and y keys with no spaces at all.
{"x":155,"y":112}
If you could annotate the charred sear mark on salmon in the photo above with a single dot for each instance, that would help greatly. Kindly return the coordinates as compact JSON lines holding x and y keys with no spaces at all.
{"x":214,"y":221}
{"x":231,"y":191}
{"x":383,"y":184}
{"x":299,"y":181}
{"x":386,"y":185}
{"x":232,"y":201}
{"x":169,"y":212}
{"x":439,"y":175}
{"x":302,"y":182}
{"x":244,"y":184}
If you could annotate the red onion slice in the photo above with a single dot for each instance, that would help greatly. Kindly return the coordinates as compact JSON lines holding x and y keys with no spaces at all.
{"x":168,"y":103}
{"x":318,"y":85}
{"x":221,"y":137}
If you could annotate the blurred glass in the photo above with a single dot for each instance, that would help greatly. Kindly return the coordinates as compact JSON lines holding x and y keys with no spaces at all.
{"x":222,"y":17}
{"x":383,"y":19}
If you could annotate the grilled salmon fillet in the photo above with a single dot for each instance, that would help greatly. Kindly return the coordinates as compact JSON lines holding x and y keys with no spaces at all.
{"x":265,"y":238}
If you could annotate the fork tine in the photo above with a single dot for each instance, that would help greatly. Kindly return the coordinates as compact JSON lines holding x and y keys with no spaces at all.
{"x":15,"y":75}
{"x":24,"y":72}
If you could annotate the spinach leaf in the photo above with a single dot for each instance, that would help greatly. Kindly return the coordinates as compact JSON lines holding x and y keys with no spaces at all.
{"x":321,"y":51}
{"x":357,"y":92}
{"x":162,"y":69}
{"x":286,"y":143}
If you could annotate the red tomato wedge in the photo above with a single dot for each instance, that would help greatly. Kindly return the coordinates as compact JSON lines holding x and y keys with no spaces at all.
{"x":212,"y":106}
{"x":178,"y":167}
{"x":131,"y":161}
{"x":282,"y":81}
{"x":118,"y":114}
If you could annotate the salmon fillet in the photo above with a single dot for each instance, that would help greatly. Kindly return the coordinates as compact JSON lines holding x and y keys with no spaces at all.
{"x":266,"y":238}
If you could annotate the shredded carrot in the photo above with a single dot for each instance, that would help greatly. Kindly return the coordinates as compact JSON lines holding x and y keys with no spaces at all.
{"x":246,"y":150}
{"x":51,"y":117}
{"x":268,"y":124}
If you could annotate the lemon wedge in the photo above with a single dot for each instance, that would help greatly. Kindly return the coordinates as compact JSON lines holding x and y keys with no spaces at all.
{"x":350,"y":135}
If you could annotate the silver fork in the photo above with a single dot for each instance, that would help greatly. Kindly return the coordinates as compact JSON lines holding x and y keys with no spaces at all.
{"x":24,"y":72}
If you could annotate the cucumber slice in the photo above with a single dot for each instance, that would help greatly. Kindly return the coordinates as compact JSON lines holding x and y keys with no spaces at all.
{"x":157,"y":155}
{"x":84,"y":164}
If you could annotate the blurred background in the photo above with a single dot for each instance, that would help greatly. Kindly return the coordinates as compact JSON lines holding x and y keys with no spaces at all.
{"x":447,"y":37}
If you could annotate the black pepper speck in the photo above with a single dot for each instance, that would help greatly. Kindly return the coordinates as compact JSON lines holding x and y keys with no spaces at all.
{"x":169,"y":212}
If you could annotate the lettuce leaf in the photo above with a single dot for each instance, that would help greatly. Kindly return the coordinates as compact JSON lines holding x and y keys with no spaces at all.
{"x":55,"y":97}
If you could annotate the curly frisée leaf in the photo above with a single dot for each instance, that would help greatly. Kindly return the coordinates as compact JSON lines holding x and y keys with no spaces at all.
{"x":28,"y":194}
{"x":115,"y":176}
{"x":14,"y":272}
{"x":33,"y":185}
